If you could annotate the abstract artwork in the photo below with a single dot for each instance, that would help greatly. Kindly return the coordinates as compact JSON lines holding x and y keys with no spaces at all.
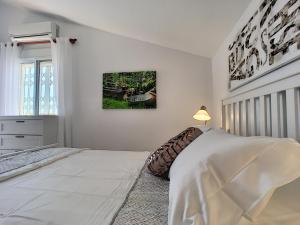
{"x":129,"y":90}
{"x":269,"y":40}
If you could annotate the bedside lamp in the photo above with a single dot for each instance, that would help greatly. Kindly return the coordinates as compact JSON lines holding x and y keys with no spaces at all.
{"x":202,"y":115}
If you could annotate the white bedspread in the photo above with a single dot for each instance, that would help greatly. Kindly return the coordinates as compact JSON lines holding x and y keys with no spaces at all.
{"x":283,"y":208}
{"x":220,"y":178}
{"x":86,"y":188}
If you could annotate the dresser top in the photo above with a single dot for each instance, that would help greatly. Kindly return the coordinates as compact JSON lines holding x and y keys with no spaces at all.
{"x":27,"y":117}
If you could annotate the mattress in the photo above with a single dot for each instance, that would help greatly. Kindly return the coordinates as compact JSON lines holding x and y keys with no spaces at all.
{"x":86,"y":188}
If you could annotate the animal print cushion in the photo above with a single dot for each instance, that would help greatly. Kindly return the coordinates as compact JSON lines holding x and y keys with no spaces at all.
{"x":160,"y":161}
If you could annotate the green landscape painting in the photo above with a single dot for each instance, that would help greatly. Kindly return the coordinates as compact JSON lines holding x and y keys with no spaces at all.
{"x":129,"y":90}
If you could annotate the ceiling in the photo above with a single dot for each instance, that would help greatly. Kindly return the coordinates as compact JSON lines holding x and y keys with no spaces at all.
{"x":194,"y":26}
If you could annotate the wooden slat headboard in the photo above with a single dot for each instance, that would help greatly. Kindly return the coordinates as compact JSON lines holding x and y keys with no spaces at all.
{"x":268,"y":110}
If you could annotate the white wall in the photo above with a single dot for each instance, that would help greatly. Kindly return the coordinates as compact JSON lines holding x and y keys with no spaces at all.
{"x":183,"y":81}
{"x":220,"y":65}
{"x":10,"y":16}
{"x":220,"y":68}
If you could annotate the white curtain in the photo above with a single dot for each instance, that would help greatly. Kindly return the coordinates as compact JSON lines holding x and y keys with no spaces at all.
{"x":9,"y":79}
{"x":62,"y":63}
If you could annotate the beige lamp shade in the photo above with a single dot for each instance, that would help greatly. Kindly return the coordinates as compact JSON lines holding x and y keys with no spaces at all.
{"x":202,"y":114}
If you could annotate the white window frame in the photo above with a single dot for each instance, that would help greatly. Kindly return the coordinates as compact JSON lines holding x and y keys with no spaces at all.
{"x":36,"y":62}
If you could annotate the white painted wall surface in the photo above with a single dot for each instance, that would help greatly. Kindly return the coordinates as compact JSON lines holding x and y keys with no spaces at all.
{"x":220,"y":68}
{"x":184,"y":83}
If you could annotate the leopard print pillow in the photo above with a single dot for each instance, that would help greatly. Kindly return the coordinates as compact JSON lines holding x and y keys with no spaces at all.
{"x":160,"y":161}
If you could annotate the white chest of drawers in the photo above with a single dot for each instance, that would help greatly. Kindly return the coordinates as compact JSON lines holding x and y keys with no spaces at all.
{"x":24,"y":132}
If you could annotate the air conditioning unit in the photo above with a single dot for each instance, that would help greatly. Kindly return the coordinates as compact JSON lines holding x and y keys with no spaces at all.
{"x":33,"y":32}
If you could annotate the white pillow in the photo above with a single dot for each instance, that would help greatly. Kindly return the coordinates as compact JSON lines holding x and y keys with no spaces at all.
{"x":221,"y":177}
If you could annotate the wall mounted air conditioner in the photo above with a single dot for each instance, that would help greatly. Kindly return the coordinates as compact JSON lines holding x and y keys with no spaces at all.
{"x":33,"y":32}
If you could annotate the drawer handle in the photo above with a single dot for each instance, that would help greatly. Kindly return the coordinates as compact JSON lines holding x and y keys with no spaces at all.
{"x":20,"y":121}
{"x":20,"y":136}
{"x":2,"y":126}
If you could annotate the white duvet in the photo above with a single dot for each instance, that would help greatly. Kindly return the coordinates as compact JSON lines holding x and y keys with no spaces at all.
{"x":220,"y":178}
{"x":86,"y":188}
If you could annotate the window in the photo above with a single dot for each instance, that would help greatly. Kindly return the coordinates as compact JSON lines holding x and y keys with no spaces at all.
{"x":38,"y":88}
{"x":28,"y":80}
{"x":47,"y":89}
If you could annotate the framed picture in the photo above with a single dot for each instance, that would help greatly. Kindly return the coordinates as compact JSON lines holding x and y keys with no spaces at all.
{"x":129,"y":90}
{"x":269,"y":40}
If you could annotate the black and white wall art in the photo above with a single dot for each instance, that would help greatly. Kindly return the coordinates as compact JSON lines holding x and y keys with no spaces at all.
{"x":269,"y":40}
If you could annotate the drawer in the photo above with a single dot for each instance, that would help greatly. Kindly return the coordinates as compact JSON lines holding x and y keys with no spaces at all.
{"x":32,"y":127}
{"x":20,"y":141}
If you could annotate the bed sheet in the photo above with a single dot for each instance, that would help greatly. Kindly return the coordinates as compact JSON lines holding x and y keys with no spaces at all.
{"x":86,"y":188}
{"x":283,"y":208}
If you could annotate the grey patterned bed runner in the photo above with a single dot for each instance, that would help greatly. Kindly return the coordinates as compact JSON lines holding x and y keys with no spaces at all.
{"x":10,"y":162}
{"x":147,"y":203}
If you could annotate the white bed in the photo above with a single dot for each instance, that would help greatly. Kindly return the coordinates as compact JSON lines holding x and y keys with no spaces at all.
{"x":269,"y":109}
{"x":89,"y":187}
{"x":85,"y":188}
{"x":214,"y":181}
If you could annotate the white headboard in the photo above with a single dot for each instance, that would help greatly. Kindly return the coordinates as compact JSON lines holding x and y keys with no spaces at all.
{"x":271,"y":109}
